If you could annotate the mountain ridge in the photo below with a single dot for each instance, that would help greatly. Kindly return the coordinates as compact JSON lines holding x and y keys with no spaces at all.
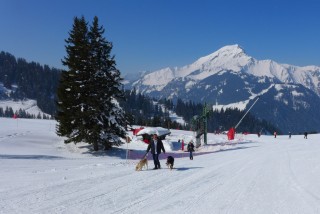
{"x":229,"y":77}
{"x":233,"y":58}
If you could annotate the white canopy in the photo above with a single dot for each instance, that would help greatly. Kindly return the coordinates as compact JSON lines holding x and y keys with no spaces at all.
{"x":154,"y":130}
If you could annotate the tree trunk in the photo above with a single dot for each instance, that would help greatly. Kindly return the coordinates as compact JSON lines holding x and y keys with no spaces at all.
{"x":95,"y":146}
{"x":107,"y":146}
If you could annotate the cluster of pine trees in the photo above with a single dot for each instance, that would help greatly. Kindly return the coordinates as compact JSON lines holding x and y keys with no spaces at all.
{"x":219,"y":120}
{"x":145,"y":111}
{"x":34,"y":81}
{"x":8,"y":112}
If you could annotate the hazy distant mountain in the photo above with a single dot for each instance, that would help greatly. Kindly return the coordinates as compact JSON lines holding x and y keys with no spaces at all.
{"x":229,"y":77}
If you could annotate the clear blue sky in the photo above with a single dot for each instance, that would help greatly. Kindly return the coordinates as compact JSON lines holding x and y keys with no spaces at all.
{"x":153,"y":34}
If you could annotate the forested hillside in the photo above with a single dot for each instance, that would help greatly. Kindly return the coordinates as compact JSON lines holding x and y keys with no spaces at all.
{"x":144,"y":111}
{"x":29,"y":80}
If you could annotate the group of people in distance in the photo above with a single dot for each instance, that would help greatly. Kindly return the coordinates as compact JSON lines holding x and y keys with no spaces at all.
{"x":275,"y":135}
{"x":305,"y":134}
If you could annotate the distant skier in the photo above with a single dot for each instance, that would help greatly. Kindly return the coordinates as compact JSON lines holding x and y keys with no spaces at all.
{"x":289,"y":135}
{"x":306,"y":135}
{"x":259,"y":134}
{"x":275,"y":134}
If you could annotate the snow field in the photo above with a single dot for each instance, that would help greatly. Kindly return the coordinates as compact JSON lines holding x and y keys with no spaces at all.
{"x":40,"y":174}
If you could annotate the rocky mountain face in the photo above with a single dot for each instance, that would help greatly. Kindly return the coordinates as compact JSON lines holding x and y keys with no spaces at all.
{"x":289,"y":95}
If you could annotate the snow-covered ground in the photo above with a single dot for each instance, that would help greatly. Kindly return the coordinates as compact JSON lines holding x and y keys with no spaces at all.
{"x":28,"y":105}
{"x":40,"y":174}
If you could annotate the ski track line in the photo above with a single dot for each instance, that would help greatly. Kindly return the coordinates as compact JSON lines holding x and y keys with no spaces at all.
{"x":242,"y":164}
{"x":211,"y":187}
{"x":87,"y":194}
{"x":255,"y":166}
{"x":40,"y":188}
{"x":174,"y":187}
{"x":93,"y":196}
{"x":117,"y":188}
{"x":90,"y":195}
{"x":307,"y":195}
{"x":251,"y":183}
{"x":35,"y":196}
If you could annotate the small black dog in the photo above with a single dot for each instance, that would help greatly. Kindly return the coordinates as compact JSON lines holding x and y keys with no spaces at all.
{"x":170,"y":162}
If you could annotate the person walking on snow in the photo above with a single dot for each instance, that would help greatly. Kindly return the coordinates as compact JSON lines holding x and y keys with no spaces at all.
{"x":191,"y":149}
{"x":156,"y":146}
{"x":289,"y":135}
{"x":275,"y":134}
{"x":306,"y":135}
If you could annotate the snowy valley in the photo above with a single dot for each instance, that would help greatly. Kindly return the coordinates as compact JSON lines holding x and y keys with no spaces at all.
{"x":159,"y":107}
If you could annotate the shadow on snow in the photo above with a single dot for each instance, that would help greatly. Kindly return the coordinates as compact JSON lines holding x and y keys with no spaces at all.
{"x":33,"y":157}
{"x":139,"y":154}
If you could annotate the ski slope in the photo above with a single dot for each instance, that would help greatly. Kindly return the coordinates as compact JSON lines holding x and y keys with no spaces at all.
{"x":40,"y":174}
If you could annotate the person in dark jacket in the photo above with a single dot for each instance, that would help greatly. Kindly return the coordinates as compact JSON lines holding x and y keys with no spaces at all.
{"x":289,"y":135}
{"x":191,"y":149}
{"x":156,"y":146}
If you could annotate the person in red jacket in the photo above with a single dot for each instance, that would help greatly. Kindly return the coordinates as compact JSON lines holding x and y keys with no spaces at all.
{"x":156,"y":146}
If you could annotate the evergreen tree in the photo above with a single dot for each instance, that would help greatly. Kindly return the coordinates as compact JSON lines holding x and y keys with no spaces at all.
{"x":70,"y":93}
{"x":8,"y":112}
{"x":87,"y":107}
{"x":108,"y":118}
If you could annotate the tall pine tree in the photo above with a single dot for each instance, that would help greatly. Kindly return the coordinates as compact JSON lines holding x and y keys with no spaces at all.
{"x":88,"y":110}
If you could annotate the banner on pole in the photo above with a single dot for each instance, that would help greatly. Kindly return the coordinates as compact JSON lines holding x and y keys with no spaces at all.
{"x":231,"y":133}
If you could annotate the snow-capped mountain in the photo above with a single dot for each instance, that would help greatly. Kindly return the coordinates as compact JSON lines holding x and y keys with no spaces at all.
{"x":229,"y":58}
{"x":229,"y":77}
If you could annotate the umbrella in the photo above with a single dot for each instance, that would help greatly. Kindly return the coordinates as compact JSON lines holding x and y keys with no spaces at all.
{"x":154,"y":130}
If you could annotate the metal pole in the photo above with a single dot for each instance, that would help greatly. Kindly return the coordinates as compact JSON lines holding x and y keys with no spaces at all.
{"x":205,"y":127}
{"x":127,"y":141}
{"x":246,"y":113}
